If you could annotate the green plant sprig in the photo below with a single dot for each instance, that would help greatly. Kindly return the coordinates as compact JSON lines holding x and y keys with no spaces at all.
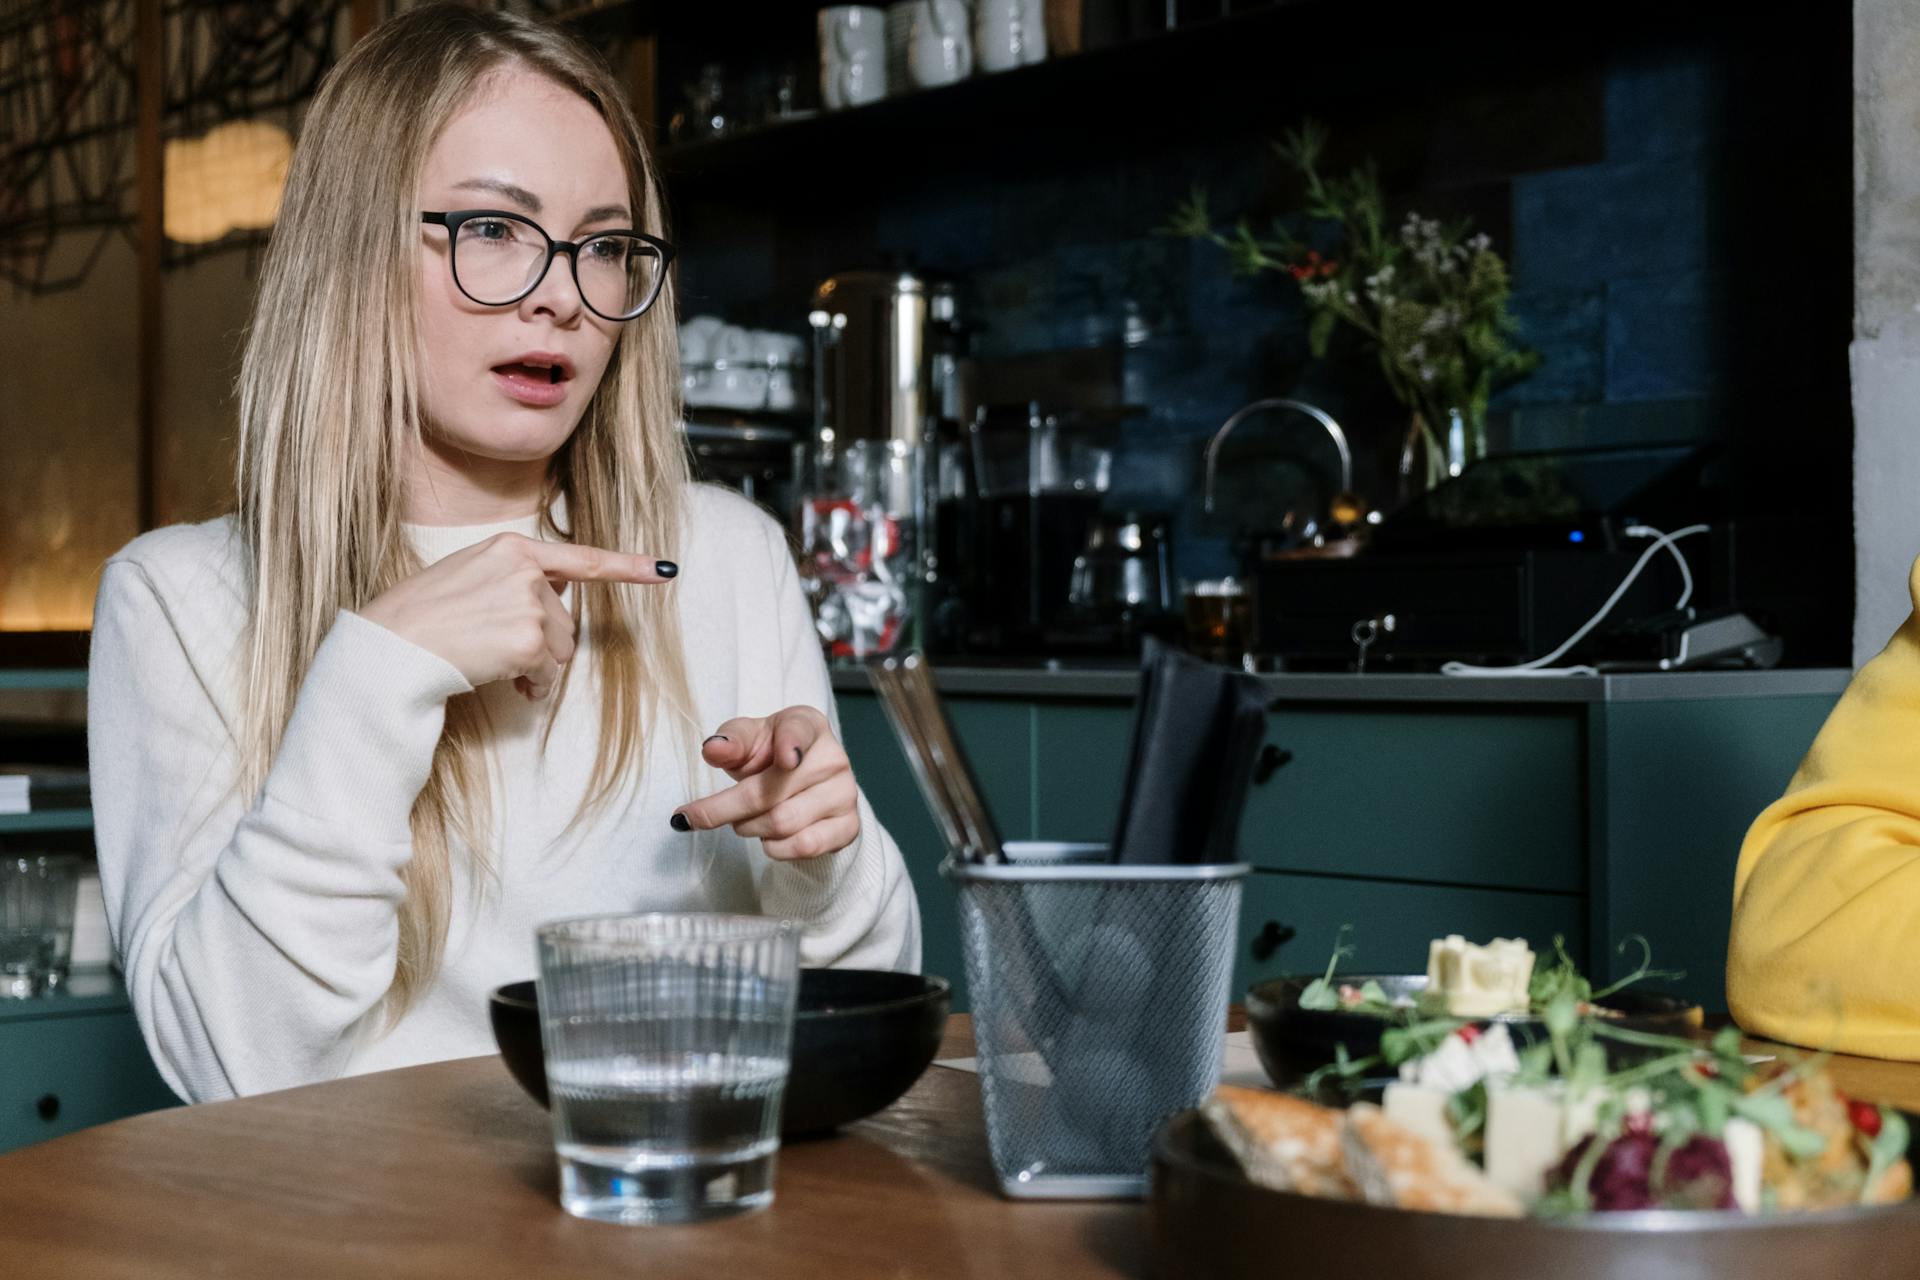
{"x":1431,"y":298}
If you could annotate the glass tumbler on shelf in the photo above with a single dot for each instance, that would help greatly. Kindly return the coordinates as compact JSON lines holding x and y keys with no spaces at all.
{"x":857,"y":547}
{"x":668,"y":1040}
{"x":37,"y":895}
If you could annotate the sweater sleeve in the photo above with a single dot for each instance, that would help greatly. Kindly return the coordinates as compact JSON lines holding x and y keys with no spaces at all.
{"x":1825,"y":949}
{"x":257,"y":934}
{"x":857,"y":903}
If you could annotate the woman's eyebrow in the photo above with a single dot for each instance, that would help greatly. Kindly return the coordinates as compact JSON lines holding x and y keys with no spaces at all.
{"x":519,"y":195}
{"x":607,"y":212}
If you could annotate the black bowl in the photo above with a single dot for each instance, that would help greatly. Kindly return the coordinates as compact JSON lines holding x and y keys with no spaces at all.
{"x":861,"y":1037}
{"x":1294,"y":1042}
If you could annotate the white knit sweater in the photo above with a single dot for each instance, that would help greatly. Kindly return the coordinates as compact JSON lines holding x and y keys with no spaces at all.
{"x":258,"y":934}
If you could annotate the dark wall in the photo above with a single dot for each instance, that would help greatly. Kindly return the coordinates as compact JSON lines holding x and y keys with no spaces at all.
{"x":1674,"y":202}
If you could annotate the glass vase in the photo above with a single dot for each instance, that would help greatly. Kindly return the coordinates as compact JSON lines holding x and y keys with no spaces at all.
{"x":1430,"y":457}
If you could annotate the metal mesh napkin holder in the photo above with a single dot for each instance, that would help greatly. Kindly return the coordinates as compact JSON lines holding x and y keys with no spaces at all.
{"x":1099,"y":1007}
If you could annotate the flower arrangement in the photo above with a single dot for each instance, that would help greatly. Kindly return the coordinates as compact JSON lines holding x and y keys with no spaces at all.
{"x":1431,"y":297}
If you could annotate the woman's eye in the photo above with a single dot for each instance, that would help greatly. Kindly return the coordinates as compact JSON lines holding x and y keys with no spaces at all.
{"x":489,"y":229}
{"x":608,"y":250}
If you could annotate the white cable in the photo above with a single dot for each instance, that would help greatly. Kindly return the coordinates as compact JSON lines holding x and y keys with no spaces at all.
{"x":1686,"y":573}
{"x":1543,"y":666}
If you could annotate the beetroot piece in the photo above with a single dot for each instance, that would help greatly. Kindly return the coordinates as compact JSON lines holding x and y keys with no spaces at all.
{"x":1699,"y":1174}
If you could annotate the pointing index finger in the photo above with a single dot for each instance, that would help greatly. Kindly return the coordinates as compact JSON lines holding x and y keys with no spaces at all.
{"x":575,"y":563}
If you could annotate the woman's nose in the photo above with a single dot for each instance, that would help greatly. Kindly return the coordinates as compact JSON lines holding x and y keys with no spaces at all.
{"x":556,"y":294}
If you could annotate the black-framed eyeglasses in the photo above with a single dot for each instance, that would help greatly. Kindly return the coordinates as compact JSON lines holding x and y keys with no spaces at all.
{"x":499,"y":258}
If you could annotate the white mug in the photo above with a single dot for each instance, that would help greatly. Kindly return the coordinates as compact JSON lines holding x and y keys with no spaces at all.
{"x":1009,"y":33}
{"x":941,"y":50}
{"x":853,"y":56}
{"x":696,"y":338}
{"x":1034,"y":20}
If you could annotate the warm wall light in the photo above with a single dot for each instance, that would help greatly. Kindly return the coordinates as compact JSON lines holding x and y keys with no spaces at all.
{"x":228,"y":180}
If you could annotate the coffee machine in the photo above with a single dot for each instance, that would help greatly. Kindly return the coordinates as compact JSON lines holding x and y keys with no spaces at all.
{"x":1032,"y":565}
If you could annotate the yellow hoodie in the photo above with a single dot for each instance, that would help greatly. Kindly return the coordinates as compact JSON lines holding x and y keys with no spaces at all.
{"x":1826,"y":897}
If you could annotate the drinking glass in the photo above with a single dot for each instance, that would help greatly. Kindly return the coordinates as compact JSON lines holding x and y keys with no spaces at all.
{"x":668,"y":1038}
{"x":37,"y":893}
{"x":1219,"y":620}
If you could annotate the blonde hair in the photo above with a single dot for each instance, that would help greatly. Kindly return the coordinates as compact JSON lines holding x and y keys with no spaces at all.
{"x":330,"y":411}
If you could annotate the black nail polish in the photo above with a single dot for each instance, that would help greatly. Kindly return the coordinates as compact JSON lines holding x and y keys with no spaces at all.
{"x":679,"y":822}
{"x":718,"y":737}
{"x":666,"y":568}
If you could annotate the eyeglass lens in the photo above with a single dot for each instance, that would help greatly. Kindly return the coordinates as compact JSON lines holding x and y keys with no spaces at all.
{"x":497,"y":259}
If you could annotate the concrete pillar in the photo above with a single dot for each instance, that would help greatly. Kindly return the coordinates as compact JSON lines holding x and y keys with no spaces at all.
{"x":1886,"y":324}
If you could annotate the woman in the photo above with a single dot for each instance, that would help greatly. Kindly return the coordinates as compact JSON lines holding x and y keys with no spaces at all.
{"x":439,"y":678}
{"x":1826,"y":909}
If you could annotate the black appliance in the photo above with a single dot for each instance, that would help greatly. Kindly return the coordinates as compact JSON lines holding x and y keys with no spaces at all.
{"x":1498,"y":565}
{"x":1026,"y":564}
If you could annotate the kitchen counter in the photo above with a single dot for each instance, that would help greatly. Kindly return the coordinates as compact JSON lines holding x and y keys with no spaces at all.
{"x":1057,"y":679}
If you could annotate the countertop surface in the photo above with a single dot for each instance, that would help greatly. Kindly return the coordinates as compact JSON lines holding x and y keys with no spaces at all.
{"x":1043,"y":679}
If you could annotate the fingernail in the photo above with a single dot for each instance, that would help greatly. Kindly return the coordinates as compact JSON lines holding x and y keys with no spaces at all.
{"x":679,"y":822}
{"x":718,"y":737}
{"x":666,"y":568}
{"x":796,"y":756}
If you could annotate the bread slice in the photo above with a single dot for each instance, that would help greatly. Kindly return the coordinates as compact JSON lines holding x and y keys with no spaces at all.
{"x":1282,"y":1142}
{"x":1392,"y":1165}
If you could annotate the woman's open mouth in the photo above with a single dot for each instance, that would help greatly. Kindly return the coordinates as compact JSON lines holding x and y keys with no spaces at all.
{"x":533,"y":383}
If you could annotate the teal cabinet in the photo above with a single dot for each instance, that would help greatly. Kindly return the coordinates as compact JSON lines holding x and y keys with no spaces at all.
{"x":1079,"y":761}
{"x":998,"y":739}
{"x":1445,"y":796}
{"x":1674,"y":787}
{"x":73,"y":1060}
{"x":1607,"y":811}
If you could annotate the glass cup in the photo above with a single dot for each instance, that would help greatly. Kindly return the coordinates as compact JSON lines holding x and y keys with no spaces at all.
{"x":37,"y":893}
{"x":1219,"y":620}
{"x":668,"y":1039}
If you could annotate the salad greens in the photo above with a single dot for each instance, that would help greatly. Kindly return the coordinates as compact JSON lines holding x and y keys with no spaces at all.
{"x":1660,"y":1104}
{"x":1321,"y":994}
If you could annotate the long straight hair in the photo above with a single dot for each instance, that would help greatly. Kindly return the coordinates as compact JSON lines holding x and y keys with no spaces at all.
{"x":330,"y":412}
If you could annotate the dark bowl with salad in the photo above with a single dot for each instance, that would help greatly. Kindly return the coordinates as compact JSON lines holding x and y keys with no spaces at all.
{"x":1353,"y":1013}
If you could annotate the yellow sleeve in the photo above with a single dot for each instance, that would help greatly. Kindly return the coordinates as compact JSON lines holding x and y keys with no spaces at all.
{"x":1825,"y":949}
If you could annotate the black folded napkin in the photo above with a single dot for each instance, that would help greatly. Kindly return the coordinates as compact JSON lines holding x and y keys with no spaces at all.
{"x":1197,"y":728}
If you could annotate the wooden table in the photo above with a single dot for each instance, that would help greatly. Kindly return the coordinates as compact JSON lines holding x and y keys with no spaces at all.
{"x":447,"y":1171}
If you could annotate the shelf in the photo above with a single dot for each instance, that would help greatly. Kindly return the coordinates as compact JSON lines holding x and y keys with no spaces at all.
{"x":46,"y":820}
{"x":1211,"y":77}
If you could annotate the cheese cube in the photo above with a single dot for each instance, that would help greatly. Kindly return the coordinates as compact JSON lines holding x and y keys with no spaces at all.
{"x":1746,"y":1152}
{"x":1525,"y":1137}
{"x":1422,"y":1109}
{"x":1479,"y":982}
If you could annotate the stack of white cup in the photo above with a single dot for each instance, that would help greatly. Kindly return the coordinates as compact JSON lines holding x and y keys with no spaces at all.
{"x":726,"y":366}
{"x":866,"y":53}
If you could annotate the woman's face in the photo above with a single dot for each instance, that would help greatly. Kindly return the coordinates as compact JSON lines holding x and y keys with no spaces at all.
{"x":524,"y":145}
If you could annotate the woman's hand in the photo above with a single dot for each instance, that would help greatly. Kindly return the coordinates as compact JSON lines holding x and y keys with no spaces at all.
{"x":494,"y":611}
{"x":793,"y":789}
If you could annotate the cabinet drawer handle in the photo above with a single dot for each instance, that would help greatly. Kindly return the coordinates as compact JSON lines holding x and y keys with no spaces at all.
{"x":1272,"y":936}
{"x":48,"y":1106}
{"x":1272,"y":759}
